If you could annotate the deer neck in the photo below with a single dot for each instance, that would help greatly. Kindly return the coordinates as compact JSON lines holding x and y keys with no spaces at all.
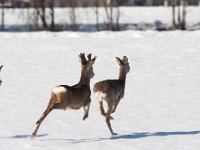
{"x":122,"y":74}
{"x":85,"y":78}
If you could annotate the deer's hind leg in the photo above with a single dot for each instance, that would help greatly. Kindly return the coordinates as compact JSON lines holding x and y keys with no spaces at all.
{"x":44,"y":115}
{"x":108,"y":118}
{"x":102,"y":110}
{"x":115,"y":105}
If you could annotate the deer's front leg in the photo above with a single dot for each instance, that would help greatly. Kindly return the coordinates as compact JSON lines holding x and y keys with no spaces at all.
{"x":86,"y":110}
{"x":102,"y":108}
{"x":115,"y":105}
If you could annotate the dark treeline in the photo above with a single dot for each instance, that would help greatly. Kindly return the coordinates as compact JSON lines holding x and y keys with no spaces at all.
{"x":43,"y":16}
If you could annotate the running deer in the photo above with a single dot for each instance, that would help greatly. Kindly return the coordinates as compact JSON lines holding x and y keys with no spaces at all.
{"x":112,"y":91}
{"x":73,"y":97}
{"x":0,"y":71}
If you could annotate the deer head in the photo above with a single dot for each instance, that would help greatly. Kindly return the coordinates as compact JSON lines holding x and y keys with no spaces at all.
{"x":86,"y":67}
{"x":124,"y":67}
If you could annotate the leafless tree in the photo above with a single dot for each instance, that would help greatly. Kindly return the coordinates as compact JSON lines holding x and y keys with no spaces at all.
{"x":2,"y":15}
{"x":73,"y":5}
{"x":96,"y":2}
{"x":117,"y":18}
{"x":41,"y":7}
{"x":173,"y":14}
{"x":180,"y":23}
{"x":36,"y":14}
{"x":42,"y":13}
{"x":183,"y":23}
{"x":52,"y":15}
{"x":112,"y":18}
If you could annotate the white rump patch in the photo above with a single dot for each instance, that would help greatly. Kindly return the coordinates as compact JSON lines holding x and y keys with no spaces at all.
{"x":59,"y":89}
{"x":100,"y":95}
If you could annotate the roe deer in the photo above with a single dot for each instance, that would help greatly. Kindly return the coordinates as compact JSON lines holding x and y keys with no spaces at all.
{"x":74,"y":97}
{"x":112,"y":91}
{"x":0,"y":71}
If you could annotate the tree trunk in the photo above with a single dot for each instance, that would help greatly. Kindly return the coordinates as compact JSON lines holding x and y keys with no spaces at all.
{"x":97,"y":14}
{"x":107,"y":13}
{"x":173,"y":14}
{"x":35,"y":25}
{"x":118,"y":16}
{"x":111,"y":16}
{"x":52,"y":16}
{"x":73,"y":15}
{"x":43,"y":15}
{"x":2,"y":15}
{"x":179,"y":16}
{"x":183,"y":24}
{"x":41,"y":11}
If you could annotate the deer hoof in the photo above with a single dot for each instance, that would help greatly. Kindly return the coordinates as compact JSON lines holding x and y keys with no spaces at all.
{"x":38,"y":121}
{"x":85,"y":117}
{"x":114,"y":134}
{"x":33,"y":136}
{"x":111,"y":118}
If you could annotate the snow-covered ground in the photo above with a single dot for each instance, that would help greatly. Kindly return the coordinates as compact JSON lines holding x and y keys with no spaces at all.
{"x":160,"y":110}
{"x":135,"y":18}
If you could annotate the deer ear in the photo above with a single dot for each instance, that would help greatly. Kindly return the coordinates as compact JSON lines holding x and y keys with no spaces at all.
{"x":1,"y":67}
{"x":120,"y":62}
{"x":125,"y":59}
{"x":91,"y":62}
{"x":82,"y":59}
{"x":89,"y":56}
{"x":94,"y":59}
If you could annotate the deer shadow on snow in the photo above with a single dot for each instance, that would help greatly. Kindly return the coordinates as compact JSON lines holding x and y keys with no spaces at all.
{"x":151,"y":134}
{"x":130,"y":136}
{"x":22,"y":136}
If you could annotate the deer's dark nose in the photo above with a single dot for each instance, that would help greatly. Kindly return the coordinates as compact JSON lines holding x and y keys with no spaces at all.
{"x":0,"y":82}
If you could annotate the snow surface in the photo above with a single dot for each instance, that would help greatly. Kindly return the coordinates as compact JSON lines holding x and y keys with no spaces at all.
{"x":160,"y":110}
